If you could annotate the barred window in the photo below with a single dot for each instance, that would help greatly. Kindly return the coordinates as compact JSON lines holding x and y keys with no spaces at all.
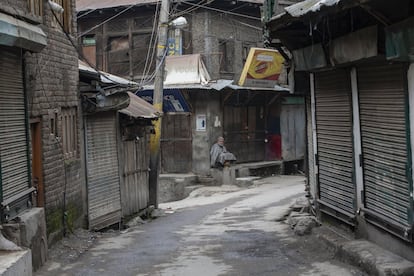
{"x":69,"y":132}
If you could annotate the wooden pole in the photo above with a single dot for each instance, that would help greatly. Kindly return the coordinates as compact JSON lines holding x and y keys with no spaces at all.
{"x":157,"y":102}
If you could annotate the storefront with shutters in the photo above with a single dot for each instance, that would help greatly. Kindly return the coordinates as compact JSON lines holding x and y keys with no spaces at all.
{"x":334,"y":142}
{"x":15,"y":179}
{"x":360,"y":114}
{"x":117,"y":128}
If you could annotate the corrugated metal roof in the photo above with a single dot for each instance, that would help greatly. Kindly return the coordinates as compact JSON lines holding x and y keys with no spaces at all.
{"x":302,"y":8}
{"x":83,"y":5}
{"x":275,"y":88}
{"x":106,"y":77}
{"x":139,"y":108}
{"x":216,"y":85}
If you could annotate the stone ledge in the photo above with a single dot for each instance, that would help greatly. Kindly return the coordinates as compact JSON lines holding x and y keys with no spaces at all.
{"x":14,"y":263}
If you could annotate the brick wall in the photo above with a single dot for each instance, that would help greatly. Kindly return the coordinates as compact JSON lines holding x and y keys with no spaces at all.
{"x":52,"y":84}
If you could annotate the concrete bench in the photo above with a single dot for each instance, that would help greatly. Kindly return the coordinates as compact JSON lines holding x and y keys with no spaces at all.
{"x":264,"y":168}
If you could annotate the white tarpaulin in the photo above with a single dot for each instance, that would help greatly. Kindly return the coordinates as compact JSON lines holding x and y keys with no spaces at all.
{"x":186,"y":69}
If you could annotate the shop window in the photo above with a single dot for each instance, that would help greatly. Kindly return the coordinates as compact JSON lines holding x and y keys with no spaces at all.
{"x":69,"y":132}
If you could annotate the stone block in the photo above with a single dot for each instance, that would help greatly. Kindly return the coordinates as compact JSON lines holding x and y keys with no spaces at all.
{"x":15,"y":263}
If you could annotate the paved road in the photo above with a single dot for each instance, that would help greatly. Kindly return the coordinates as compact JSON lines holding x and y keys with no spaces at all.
{"x":215,"y":232}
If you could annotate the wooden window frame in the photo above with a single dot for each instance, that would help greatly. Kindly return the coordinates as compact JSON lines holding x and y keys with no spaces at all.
{"x":69,"y":120}
{"x":35,"y":7}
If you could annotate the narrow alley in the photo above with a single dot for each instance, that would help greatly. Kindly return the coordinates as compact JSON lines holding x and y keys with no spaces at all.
{"x":216,"y":231}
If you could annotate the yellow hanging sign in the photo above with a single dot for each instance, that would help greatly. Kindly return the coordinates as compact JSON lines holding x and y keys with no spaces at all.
{"x":262,"y":68}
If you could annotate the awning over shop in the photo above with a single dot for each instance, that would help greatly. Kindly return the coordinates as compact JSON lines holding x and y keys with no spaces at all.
{"x":139,"y":108}
{"x":216,"y":85}
{"x":17,"y":33}
{"x":275,"y":88}
{"x":173,"y":100}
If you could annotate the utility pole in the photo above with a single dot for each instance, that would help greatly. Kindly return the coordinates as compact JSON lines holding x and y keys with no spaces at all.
{"x":155,"y":142}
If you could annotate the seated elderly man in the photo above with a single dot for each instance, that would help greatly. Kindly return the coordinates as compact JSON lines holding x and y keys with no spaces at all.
{"x":219,"y":156}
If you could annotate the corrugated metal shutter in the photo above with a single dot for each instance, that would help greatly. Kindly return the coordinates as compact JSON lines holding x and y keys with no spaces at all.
{"x":334,"y":140}
{"x":383,"y":97}
{"x":13,"y":135}
{"x":104,"y":196}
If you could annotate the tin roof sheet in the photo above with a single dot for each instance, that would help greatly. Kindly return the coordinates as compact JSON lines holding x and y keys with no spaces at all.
{"x":83,"y":5}
{"x":139,"y":108}
{"x":105,"y":77}
{"x":307,"y":6}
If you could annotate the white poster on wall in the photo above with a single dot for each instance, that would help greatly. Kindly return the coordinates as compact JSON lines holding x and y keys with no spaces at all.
{"x":201,"y":122}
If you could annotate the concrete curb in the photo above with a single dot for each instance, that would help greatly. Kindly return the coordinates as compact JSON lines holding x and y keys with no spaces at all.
{"x":371,"y":258}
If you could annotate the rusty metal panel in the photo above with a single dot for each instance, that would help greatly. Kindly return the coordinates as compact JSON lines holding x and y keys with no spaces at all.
{"x":383,"y":103}
{"x":104,"y":197}
{"x":334,"y":140}
{"x":13,"y":136}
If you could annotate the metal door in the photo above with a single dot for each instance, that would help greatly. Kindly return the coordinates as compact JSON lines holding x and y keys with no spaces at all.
{"x":333,"y":100}
{"x":104,"y":196}
{"x":383,"y":115}
{"x":14,"y":143}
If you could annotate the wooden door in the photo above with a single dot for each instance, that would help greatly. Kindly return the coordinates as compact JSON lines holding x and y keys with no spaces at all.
{"x":37,"y":174}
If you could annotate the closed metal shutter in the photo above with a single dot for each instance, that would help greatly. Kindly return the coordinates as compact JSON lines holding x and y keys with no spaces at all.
{"x":333,"y":102}
{"x":383,"y":97}
{"x":104,"y":196}
{"x":13,"y":135}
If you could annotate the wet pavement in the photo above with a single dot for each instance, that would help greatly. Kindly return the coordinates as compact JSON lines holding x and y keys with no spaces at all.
{"x":216,"y":231}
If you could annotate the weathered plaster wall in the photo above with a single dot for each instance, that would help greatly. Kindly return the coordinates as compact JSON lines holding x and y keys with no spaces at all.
{"x":205,"y":103}
{"x":209,"y":28}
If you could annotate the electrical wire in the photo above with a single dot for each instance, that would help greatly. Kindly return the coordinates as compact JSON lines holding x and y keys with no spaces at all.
{"x":193,"y":7}
{"x":77,"y":50}
{"x":150,"y":46}
{"x":86,"y":13}
{"x":107,"y":20}
{"x":222,"y":11}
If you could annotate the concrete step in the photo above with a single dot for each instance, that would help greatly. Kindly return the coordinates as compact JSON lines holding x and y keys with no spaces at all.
{"x":370,"y":257}
{"x":206,"y":181}
{"x":13,"y":263}
{"x":246,"y":181}
{"x":189,"y":189}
